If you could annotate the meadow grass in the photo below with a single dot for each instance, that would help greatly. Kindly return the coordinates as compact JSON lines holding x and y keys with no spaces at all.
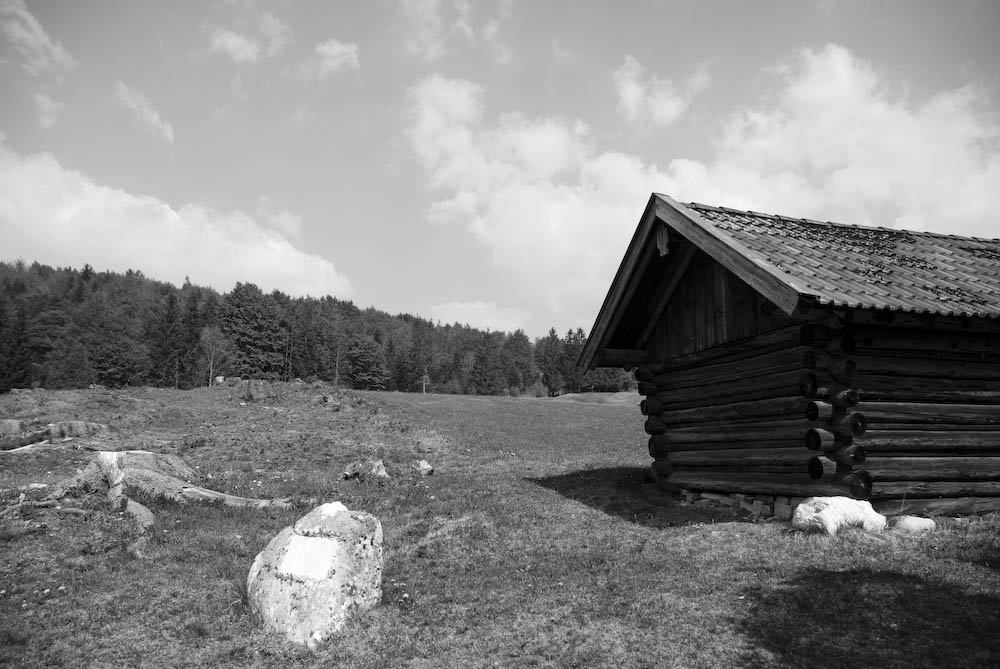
{"x":538,"y":541}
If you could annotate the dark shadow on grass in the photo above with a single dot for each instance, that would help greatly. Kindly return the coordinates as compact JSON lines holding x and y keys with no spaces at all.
{"x":630,"y":494}
{"x":870,"y":619}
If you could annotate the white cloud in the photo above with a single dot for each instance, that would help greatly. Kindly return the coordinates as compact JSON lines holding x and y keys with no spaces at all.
{"x":48,"y":110}
{"x":41,"y":201}
{"x":240,"y":48}
{"x":282,"y":220}
{"x":655,"y":100}
{"x":555,"y":214}
{"x":422,"y":29}
{"x":482,"y":315}
{"x":143,"y":111}
{"x":277,"y":33}
{"x":426,"y":37}
{"x":830,"y":141}
{"x":330,"y":57}
{"x":39,"y":54}
{"x":835,"y":142}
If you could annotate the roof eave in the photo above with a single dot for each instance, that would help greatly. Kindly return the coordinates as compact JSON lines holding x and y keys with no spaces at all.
{"x":610,"y":313}
{"x":753,"y":268}
{"x":750,"y":266}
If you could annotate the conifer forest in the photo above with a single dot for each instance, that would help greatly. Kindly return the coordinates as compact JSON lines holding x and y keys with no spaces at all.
{"x":69,"y":328}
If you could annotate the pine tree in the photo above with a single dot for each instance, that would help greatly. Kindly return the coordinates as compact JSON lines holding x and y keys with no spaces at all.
{"x":365,"y":364}
{"x":548,"y":352}
{"x":252,"y":322}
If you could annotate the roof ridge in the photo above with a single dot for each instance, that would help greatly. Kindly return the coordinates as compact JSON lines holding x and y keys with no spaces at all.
{"x":782,"y":217}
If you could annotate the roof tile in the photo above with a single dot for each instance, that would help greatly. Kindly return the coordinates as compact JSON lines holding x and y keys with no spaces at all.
{"x":878,"y":268}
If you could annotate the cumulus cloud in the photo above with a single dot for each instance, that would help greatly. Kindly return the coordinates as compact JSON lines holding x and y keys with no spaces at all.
{"x":238,"y":47}
{"x":40,"y":200}
{"x":39,"y":53}
{"x":830,"y":140}
{"x":652,"y":99}
{"x":482,"y":315}
{"x":836,"y":142}
{"x":143,"y":111}
{"x":330,"y":57}
{"x":554,"y":212}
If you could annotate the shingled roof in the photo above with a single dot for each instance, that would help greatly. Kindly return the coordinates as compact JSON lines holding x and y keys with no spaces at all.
{"x":795,"y":261}
{"x":874,"y":268}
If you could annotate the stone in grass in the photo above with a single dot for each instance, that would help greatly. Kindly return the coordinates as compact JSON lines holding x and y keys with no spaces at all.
{"x":363,"y":469}
{"x":423,"y":468}
{"x":832,"y":514}
{"x":314,"y":575}
{"x":914,"y":524}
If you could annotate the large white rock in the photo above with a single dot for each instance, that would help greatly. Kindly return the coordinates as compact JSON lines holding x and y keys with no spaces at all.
{"x":314,"y":575}
{"x":914,"y":524}
{"x":832,"y":514}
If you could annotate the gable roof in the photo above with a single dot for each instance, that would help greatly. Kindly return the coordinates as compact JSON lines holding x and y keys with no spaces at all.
{"x":790,"y":260}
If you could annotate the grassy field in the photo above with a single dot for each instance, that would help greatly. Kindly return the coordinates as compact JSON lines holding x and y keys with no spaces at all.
{"x":538,"y":541}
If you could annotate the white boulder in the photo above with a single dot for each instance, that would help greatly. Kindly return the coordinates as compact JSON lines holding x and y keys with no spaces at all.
{"x":832,"y":514}
{"x":914,"y":524}
{"x":314,"y":575}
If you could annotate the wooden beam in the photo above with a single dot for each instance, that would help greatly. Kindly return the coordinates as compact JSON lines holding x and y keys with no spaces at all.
{"x":679,"y":268}
{"x":750,"y":266}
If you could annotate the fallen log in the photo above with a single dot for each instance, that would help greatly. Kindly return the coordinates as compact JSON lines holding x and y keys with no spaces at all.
{"x":60,"y":430}
{"x":156,"y":475}
{"x":121,"y":474}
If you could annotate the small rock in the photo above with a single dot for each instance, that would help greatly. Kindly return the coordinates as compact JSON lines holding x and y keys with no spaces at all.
{"x":423,"y":468}
{"x":362,"y":469}
{"x":914,"y":524}
{"x":832,"y":514}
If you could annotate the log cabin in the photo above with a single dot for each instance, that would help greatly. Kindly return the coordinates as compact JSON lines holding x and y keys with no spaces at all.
{"x":782,"y":358}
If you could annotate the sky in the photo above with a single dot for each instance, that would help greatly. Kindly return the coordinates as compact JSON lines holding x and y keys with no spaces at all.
{"x":480,"y":162}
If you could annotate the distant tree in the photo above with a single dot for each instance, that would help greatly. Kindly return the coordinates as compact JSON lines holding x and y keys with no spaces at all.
{"x":519,"y":360}
{"x":487,"y":374}
{"x":548,"y":353}
{"x":253,"y":323}
{"x":365,"y":363}
{"x":216,"y":353}
{"x":572,"y":344}
{"x":167,"y":344}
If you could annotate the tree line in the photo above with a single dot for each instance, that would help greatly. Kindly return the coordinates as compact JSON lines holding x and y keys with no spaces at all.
{"x":69,"y":328}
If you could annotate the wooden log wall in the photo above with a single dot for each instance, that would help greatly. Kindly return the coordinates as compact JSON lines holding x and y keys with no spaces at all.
{"x":908,"y":418}
{"x":931,"y":399}
{"x":756,"y":416}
